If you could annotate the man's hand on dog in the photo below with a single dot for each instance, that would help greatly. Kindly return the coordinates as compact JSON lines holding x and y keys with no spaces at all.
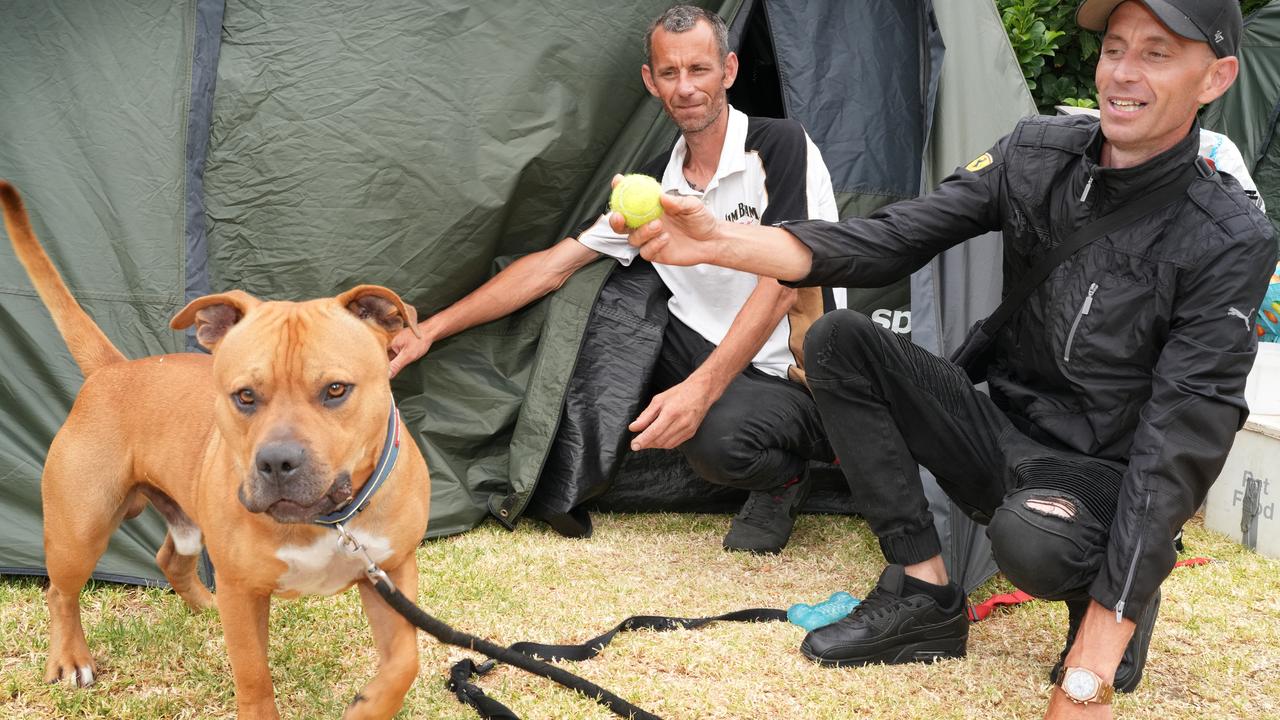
{"x":406,"y":347}
{"x":672,"y":417}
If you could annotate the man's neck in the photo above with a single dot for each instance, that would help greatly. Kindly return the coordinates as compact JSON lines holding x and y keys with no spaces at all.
{"x":1114,"y":156}
{"x":702,"y":156}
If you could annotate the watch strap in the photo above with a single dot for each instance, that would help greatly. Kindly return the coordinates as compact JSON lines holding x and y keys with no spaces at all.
{"x":1102,"y":696}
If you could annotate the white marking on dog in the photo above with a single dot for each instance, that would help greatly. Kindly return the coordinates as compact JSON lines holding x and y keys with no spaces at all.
{"x":186,"y":539}
{"x":83,"y":676}
{"x":324,"y":568}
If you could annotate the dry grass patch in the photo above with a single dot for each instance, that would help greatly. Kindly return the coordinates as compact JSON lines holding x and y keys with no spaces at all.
{"x":1216,"y":652}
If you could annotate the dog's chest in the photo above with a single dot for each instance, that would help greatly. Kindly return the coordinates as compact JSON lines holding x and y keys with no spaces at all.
{"x":324,"y":567}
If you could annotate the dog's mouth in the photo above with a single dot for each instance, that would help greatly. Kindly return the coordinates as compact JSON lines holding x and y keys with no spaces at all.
{"x":299,"y":510}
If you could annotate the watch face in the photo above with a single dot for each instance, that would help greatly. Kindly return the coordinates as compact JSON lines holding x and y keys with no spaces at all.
{"x":1080,"y":684}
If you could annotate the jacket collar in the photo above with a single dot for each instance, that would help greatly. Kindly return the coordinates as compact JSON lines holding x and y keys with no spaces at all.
{"x":1115,"y":186}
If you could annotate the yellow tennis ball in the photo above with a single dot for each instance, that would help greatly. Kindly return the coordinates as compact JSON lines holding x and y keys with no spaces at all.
{"x":636,"y":197}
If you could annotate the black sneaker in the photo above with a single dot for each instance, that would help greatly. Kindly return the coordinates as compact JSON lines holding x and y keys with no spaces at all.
{"x":764,"y":523}
{"x":892,"y":627}
{"x":1129,"y":672}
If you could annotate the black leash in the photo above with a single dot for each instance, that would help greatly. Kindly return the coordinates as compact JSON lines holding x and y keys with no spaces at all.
{"x":449,"y":636}
{"x":470,"y":694}
{"x":521,"y":654}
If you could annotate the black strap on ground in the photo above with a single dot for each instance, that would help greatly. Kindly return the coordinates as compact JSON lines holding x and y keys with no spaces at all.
{"x":449,"y":636}
{"x":521,"y":654}
{"x":470,"y":694}
{"x":659,"y":623}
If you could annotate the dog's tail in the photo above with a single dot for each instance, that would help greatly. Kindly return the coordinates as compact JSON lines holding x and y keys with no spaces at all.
{"x":89,"y":346}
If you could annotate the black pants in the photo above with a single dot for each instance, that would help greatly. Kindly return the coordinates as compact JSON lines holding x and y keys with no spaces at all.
{"x":891,"y":406}
{"x":760,"y":433}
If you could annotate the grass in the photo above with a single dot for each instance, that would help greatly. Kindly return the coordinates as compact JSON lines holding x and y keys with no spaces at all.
{"x":1216,"y":651}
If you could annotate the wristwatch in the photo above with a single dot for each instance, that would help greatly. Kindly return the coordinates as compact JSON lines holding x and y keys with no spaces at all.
{"x":1083,"y":686}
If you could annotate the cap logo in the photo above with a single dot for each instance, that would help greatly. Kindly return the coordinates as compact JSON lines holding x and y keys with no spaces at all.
{"x":1217,"y":36}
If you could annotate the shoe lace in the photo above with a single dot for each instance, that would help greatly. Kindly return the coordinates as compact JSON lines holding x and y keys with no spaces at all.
{"x":759,"y":509}
{"x":876,"y":604}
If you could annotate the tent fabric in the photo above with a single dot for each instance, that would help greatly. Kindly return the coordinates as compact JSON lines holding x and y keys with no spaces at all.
{"x":1249,"y":111}
{"x":97,"y":145}
{"x":417,"y":144}
{"x":981,"y":96}
{"x":412,"y":145}
{"x":206,"y":45}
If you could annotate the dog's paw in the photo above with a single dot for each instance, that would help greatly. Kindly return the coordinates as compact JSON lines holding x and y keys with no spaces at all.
{"x":78,"y":675}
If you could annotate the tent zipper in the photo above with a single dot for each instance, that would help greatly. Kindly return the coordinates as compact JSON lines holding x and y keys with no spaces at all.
{"x":1133,"y":564}
{"x":1084,"y":310}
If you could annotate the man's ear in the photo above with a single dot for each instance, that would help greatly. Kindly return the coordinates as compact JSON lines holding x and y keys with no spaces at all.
{"x":213,"y":315}
{"x":646,"y":74}
{"x":381,"y":308}
{"x":730,"y":69}
{"x":1221,"y":74}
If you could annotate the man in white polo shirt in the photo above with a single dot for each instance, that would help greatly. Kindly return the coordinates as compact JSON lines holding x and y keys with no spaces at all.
{"x":728,"y":372}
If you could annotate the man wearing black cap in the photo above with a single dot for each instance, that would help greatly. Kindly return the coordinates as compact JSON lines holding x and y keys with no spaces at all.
{"x":1116,"y":382}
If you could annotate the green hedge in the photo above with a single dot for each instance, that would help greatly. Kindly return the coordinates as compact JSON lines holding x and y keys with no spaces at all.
{"x":1057,"y":57}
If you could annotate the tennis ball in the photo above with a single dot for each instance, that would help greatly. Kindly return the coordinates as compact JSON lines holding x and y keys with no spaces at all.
{"x":636,"y":198}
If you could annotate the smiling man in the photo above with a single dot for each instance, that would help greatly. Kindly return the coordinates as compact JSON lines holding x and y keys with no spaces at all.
{"x":1115,"y":385}
{"x":723,"y":392}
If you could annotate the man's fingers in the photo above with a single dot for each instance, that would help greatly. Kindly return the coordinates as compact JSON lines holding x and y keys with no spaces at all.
{"x":618,"y":223}
{"x":661,"y":435}
{"x":649,"y":424}
{"x":679,"y":203}
{"x":653,"y":249}
{"x":614,"y":182}
{"x":644,"y":234}
{"x":646,"y":417}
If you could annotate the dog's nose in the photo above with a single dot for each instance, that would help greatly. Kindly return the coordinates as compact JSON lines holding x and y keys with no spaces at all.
{"x":279,"y":460}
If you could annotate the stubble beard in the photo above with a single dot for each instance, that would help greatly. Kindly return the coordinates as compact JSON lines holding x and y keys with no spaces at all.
{"x":693,"y":127}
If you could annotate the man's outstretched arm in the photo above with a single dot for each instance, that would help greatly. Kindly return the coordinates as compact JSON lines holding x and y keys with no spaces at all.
{"x":675,"y":414}
{"x":520,"y":283}
{"x":874,"y":251}
{"x":688,"y":234}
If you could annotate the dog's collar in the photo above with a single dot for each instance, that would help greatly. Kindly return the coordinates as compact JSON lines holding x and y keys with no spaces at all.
{"x":386,"y":462}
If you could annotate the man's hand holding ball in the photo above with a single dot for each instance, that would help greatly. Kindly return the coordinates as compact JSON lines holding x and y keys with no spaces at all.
{"x":682,"y":233}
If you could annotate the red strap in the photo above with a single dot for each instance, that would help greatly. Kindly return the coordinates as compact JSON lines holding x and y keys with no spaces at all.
{"x":979,"y":612}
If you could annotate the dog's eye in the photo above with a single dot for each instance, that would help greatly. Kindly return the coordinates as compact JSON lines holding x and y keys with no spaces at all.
{"x":335,"y":393}
{"x":244,"y":398}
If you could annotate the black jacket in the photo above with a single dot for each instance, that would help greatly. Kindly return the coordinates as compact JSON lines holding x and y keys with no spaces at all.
{"x":1135,"y":349}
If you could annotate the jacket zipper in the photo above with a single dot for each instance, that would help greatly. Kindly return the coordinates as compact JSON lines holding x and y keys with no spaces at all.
{"x":1133,"y":564}
{"x":1084,"y":310}
{"x":1087,"y":187}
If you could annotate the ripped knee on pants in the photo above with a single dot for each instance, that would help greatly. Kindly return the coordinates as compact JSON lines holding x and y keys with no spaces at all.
{"x":1046,"y":543}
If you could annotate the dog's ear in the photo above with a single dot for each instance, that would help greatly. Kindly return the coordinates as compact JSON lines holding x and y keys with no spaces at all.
{"x":380,"y":308}
{"x":213,"y":315}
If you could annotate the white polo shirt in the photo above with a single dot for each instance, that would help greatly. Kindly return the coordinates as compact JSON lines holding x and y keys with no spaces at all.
{"x":707,"y":298}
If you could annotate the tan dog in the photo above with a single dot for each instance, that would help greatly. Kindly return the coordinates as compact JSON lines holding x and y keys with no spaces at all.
{"x":239,"y":452}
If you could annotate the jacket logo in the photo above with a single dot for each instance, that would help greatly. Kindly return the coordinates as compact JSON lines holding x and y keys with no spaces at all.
{"x":1248,"y":319}
{"x":979,"y":162}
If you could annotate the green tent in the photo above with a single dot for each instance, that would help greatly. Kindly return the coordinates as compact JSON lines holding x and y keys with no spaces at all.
{"x":297,"y":148}
{"x":1249,"y":112}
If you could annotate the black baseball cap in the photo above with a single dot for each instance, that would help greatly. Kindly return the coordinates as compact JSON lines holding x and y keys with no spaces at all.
{"x":1217,"y":22}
